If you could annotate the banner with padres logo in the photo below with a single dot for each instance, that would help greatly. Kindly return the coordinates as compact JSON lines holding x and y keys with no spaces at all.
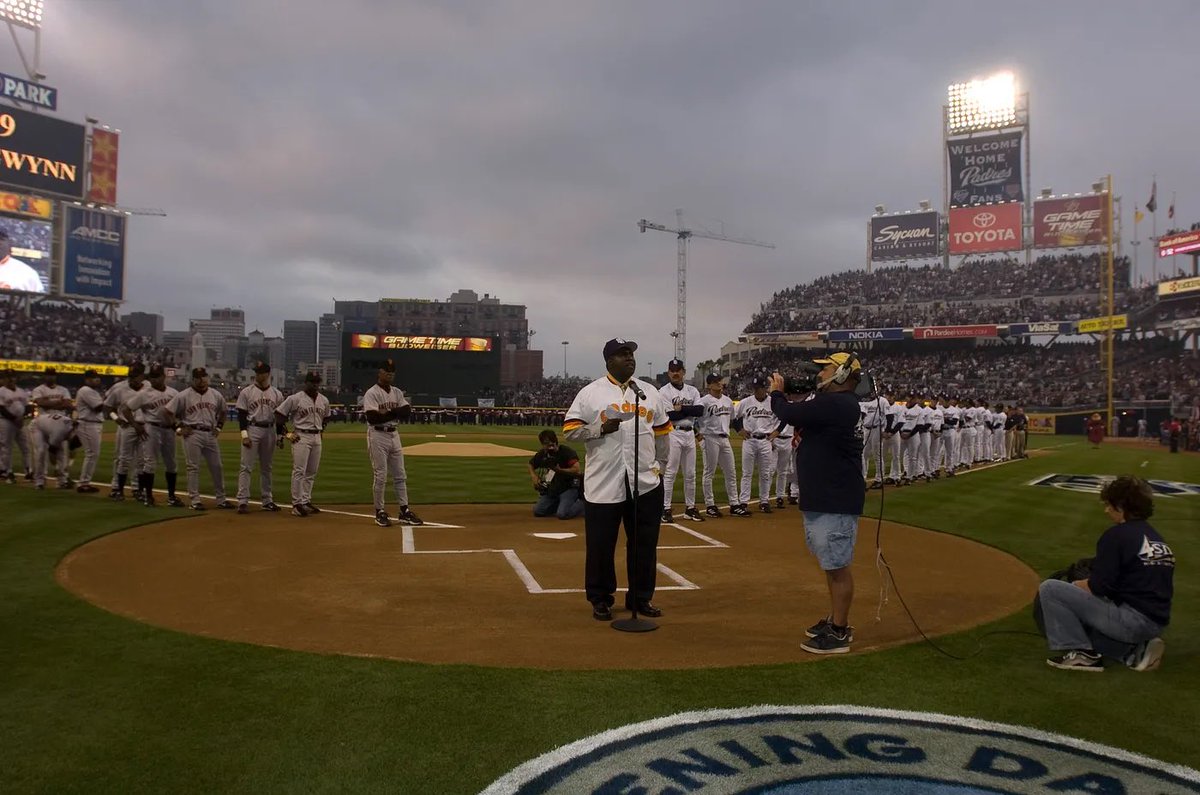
{"x":989,"y":227}
{"x":71,"y":368}
{"x":1075,"y":221}
{"x":985,"y":168}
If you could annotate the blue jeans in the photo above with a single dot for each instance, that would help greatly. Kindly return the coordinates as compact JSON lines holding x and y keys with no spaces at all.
{"x":565,"y":506}
{"x":1077,"y":619}
{"x":830,"y":537}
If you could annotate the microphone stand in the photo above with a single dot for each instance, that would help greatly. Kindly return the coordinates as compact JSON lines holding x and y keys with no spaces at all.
{"x":633,"y":623}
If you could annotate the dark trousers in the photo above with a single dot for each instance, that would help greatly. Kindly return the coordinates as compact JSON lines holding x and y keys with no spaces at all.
{"x":602,"y":525}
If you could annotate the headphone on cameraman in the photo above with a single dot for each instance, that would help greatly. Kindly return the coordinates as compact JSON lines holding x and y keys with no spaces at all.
{"x":844,"y":371}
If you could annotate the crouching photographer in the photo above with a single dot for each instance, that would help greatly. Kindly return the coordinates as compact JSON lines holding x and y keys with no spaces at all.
{"x":832,"y":488}
{"x":556,"y":477}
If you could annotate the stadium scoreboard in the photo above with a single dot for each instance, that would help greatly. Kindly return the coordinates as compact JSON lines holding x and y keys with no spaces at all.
{"x":428,"y":368}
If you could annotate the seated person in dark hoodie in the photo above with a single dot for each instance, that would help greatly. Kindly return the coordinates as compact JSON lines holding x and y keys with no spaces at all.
{"x":1121,"y":610}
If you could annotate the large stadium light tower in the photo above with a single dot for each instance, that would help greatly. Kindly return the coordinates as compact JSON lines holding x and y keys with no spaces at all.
{"x":683,"y":234}
{"x":985,"y":105}
{"x":25,"y":14}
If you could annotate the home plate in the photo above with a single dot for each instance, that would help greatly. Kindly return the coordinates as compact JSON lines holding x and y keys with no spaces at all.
{"x":554,"y":536}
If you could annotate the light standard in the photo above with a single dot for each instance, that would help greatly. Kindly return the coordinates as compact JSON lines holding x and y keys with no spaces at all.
{"x":675,"y":337}
{"x":565,"y":343}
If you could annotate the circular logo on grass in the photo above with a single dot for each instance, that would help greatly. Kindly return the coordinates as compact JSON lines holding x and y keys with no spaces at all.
{"x":838,"y":750}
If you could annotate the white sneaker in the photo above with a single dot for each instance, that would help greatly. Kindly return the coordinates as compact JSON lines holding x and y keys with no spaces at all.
{"x":1151,"y":655}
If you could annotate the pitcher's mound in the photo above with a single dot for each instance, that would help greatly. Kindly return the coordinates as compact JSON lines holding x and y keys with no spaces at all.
{"x":469,"y":449}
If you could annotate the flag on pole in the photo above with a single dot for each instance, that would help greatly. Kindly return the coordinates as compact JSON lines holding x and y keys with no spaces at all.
{"x":1152,"y":205}
{"x":1138,"y":216}
{"x":1171,"y":209}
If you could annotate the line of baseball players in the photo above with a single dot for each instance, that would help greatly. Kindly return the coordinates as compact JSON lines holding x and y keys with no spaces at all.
{"x":922,"y":438}
{"x":706,"y":422}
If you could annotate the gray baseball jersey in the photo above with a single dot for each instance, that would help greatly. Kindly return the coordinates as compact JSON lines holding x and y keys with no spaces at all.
{"x":259,"y":404}
{"x":305,"y":413}
{"x":41,"y":392}
{"x":198,"y":410}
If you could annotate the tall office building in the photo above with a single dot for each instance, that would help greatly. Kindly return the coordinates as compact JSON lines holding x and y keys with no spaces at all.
{"x":146,"y":324}
{"x":221,"y":323}
{"x":300,"y":344}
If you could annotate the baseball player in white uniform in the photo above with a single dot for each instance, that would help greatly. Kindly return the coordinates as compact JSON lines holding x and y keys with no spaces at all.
{"x":967,"y":435}
{"x":200,"y":413}
{"x":384,"y":406}
{"x":999,"y":446}
{"x":256,"y":405}
{"x":15,"y":274}
{"x":13,"y":401}
{"x":910,"y":435}
{"x":892,"y":441}
{"x":715,"y":447}
{"x":760,"y":426}
{"x":127,"y":454}
{"x":89,"y":414}
{"x":681,"y":396}
{"x":951,"y":420}
{"x":783,"y":450}
{"x":937,"y":419}
{"x":308,"y":411}
{"x":874,"y":420}
{"x":51,"y":397}
{"x":146,"y":412}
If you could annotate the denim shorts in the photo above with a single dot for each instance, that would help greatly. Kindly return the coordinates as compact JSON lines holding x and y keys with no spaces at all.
{"x":831,"y":536}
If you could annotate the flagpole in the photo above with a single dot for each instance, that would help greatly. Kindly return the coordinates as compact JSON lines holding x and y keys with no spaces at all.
{"x":1154,"y":233}
{"x":1133,"y":277}
{"x":1171,"y":217}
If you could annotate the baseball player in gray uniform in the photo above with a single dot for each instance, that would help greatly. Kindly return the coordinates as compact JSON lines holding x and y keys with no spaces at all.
{"x":51,"y":430}
{"x":874,"y":413}
{"x":146,"y":411}
{"x":50,"y":396}
{"x":89,"y":414}
{"x":384,"y":406}
{"x":308,"y":411}
{"x":13,"y":401}
{"x":715,"y":447}
{"x":128,"y":449}
{"x":760,"y":426}
{"x":256,"y":406}
{"x":682,"y":456}
{"x":200,"y":413}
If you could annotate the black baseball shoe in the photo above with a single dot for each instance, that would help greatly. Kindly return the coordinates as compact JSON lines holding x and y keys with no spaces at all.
{"x":829,"y":642}
{"x":713,"y":511}
{"x":86,"y":488}
{"x":739,"y":510}
{"x":647,"y":609}
{"x":198,"y":506}
{"x":667,"y":517}
{"x":29,"y":474}
{"x":149,"y":501}
{"x":823,"y":626}
{"x":66,"y":484}
{"x":779,"y":502}
{"x":602,"y":612}
{"x":406,"y":516}
{"x":243,"y":508}
{"x":1078,"y":660}
{"x":764,"y":507}
{"x":116,"y":496}
{"x":12,"y":479}
{"x":793,"y":500}
{"x":693,"y":514}
{"x":299,"y":510}
{"x":225,"y":505}
{"x":174,"y":502}
{"x":308,"y":506}
{"x":270,"y":506}
{"x":381,"y":519}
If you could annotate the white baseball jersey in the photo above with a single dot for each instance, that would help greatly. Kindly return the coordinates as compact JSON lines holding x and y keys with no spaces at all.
{"x":609,"y":457}
{"x":926,"y":417}
{"x":937,"y":417}
{"x":756,"y":415}
{"x":684,"y":395}
{"x":306,"y":413}
{"x":717,"y":413}
{"x":147,"y":405}
{"x":384,"y":400}
{"x":16,"y":275}
{"x":896,"y":412}
{"x":874,"y":413}
{"x":910,"y":418}
{"x":259,"y":404}
{"x":198,"y":410}
{"x":89,"y":405}
{"x":952,"y":417}
{"x":998,"y":420}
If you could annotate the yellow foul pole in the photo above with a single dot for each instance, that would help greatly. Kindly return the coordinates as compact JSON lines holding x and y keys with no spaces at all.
{"x":1108,"y":201}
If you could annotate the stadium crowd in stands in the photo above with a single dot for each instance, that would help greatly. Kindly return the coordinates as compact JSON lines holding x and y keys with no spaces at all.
{"x":65,"y":333}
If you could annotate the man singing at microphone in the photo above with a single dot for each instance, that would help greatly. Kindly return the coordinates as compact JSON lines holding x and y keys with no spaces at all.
{"x":832,"y":487}
{"x":603,"y":417}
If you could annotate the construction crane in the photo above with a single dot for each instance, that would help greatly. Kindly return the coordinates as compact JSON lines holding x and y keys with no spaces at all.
{"x":683,"y":234}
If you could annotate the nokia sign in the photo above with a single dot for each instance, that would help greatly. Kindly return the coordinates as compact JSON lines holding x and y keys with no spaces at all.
{"x":93,"y":254}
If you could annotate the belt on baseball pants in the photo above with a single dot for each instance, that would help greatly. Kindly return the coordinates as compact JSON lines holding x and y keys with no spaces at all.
{"x":384,"y":428}
{"x":206,"y":428}
{"x":158,"y":424}
{"x":682,"y":430}
{"x":759,"y":435}
{"x":93,"y":422}
{"x":306,"y":430}
{"x":720,"y":435}
{"x":263,"y":424}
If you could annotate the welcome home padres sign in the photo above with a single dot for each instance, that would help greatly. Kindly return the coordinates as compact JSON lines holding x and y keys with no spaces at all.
{"x":840,"y":750}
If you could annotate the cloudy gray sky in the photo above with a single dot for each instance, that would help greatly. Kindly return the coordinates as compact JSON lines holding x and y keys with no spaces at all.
{"x":308,"y":149}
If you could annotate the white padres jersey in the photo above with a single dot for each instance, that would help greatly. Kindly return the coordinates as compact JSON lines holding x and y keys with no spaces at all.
{"x":874,"y":412}
{"x":926,"y":416}
{"x":937,"y":418}
{"x":998,"y":420}
{"x":89,"y":405}
{"x":306,"y":413}
{"x":952,"y":417}
{"x":756,"y":415}
{"x":910,"y":418}
{"x":717,"y":413}
{"x":609,"y":457}
{"x":148,"y":404}
{"x":198,"y":410}
{"x":384,"y":400}
{"x":896,"y":412}
{"x":259,"y":404}
{"x":685,"y":395}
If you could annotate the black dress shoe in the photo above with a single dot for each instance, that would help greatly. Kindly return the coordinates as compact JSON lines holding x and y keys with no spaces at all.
{"x":602,"y":612}
{"x":648,"y":610}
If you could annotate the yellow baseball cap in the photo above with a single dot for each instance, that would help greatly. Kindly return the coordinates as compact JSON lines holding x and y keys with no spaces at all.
{"x":841,"y":359}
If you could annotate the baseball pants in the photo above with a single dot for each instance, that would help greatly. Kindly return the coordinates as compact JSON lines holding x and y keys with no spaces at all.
{"x":912,"y":455}
{"x":966,"y":442}
{"x":983,"y":443}
{"x":602,"y":524}
{"x":1019,"y":446}
{"x":47,"y":443}
{"x":306,"y":458}
{"x":159,"y":445}
{"x":756,"y":454}
{"x":126,"y":454}
{"x":892,"y":444}
{"x":872,"y":452}
{"x":950,"y":448}
{"x":923,"y":450}
{"x":682,"y":455}
{"x":719,"y":453}
{"x":783,"y":466}
{"x":999,"y":447}
{"x":935,"y":451}
{"x":89,"y":435}
{"x":13,"y":434}
{"x":262,"y":448}
{"x":199,"y":445}
{"x":387,"y":459}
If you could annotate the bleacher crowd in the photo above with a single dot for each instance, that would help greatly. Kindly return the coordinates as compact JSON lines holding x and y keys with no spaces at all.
{"x":64,"y":333}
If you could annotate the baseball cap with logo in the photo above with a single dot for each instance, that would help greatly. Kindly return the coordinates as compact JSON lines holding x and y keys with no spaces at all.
{"x":841,"y":359}
{"x":675,"y":364}
{"x":758,"y":380}
{"x":712,"y":378}
{"x":313,"y":377}
{"x":615,"y":344}
{"x":199,"y":372}
{"x":157,"y":371}
{"x":261,"y":367}
{"x":388,"y":366}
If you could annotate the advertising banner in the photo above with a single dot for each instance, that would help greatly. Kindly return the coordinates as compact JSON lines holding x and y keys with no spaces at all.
{"x":1182,"y":243}
{"x":21,"y":204}
{"x":904,"y":236}
{"x":1076,"y":221}
{"x":1178,"y":287}
{"x":487,"y":403}
{"x":34,"y":93}
{"x":1045,"y":327}
{"x":857,"y":335}
{"x":953,"y":332}
{"x":448,"y":402}
{"x":1041,"y":423}
{"x":992,"y":227}
{"x":41,"y":153}
{"x":93,"y":253}
{"x":985,"y":168}
{"x":420,"y":343}
{"x":72,"y":368}
{"x":1094,"y":324}
{"x":102,"y":188}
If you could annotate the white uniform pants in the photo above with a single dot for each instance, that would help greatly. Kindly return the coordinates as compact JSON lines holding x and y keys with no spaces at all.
{"x":923,"y":460}
{"x":127,"y":454}
{"x":202,"y":445}
{"x":912,"y":455}
{"x":935,"y":451}
{"x":88,"y":432}
{"x":387,"y":459}
{"x":719,"y":453}
{"x":872,"y":452}
{"x":999,"y":447}
{"x":306,"y":458}
{"x":784,"y":466}
{"x":893,"y":446}
{"x":967,"y":443}
{"x":262,"y":449}
{"x":950,"y":446}
{"x":682,"y":456}
{"x":756,"y":454}
{"x":50,"y":434}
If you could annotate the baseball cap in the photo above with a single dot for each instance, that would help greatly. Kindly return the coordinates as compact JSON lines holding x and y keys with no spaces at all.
{"x":90,"y":373}
{"x":199,"y":372}
{"x":840,"y":358}
{"x":312,"y":377}
{"x":51,"y":371}
{"x":712,"y":377}
{"x":758,"y":380}
{"x":388,"y":366}
{"x":616,"y":344}
{"x":157,"y":371}
{"x":261,"y":367}
{"x":136,"y":369}
{"x":675,"y":364}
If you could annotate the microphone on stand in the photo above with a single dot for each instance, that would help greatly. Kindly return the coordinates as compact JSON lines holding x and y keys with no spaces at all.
{"x":637,"y":390}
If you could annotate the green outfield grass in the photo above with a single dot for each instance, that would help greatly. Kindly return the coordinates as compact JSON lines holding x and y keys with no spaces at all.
{"x":96,"y":703}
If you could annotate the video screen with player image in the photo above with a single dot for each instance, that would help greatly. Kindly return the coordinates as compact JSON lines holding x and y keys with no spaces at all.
{"x":24,"y":254}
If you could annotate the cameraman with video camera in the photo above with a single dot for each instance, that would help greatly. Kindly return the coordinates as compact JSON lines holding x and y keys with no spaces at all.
{"x":832,"y":487}
{"x":558,"y":496}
